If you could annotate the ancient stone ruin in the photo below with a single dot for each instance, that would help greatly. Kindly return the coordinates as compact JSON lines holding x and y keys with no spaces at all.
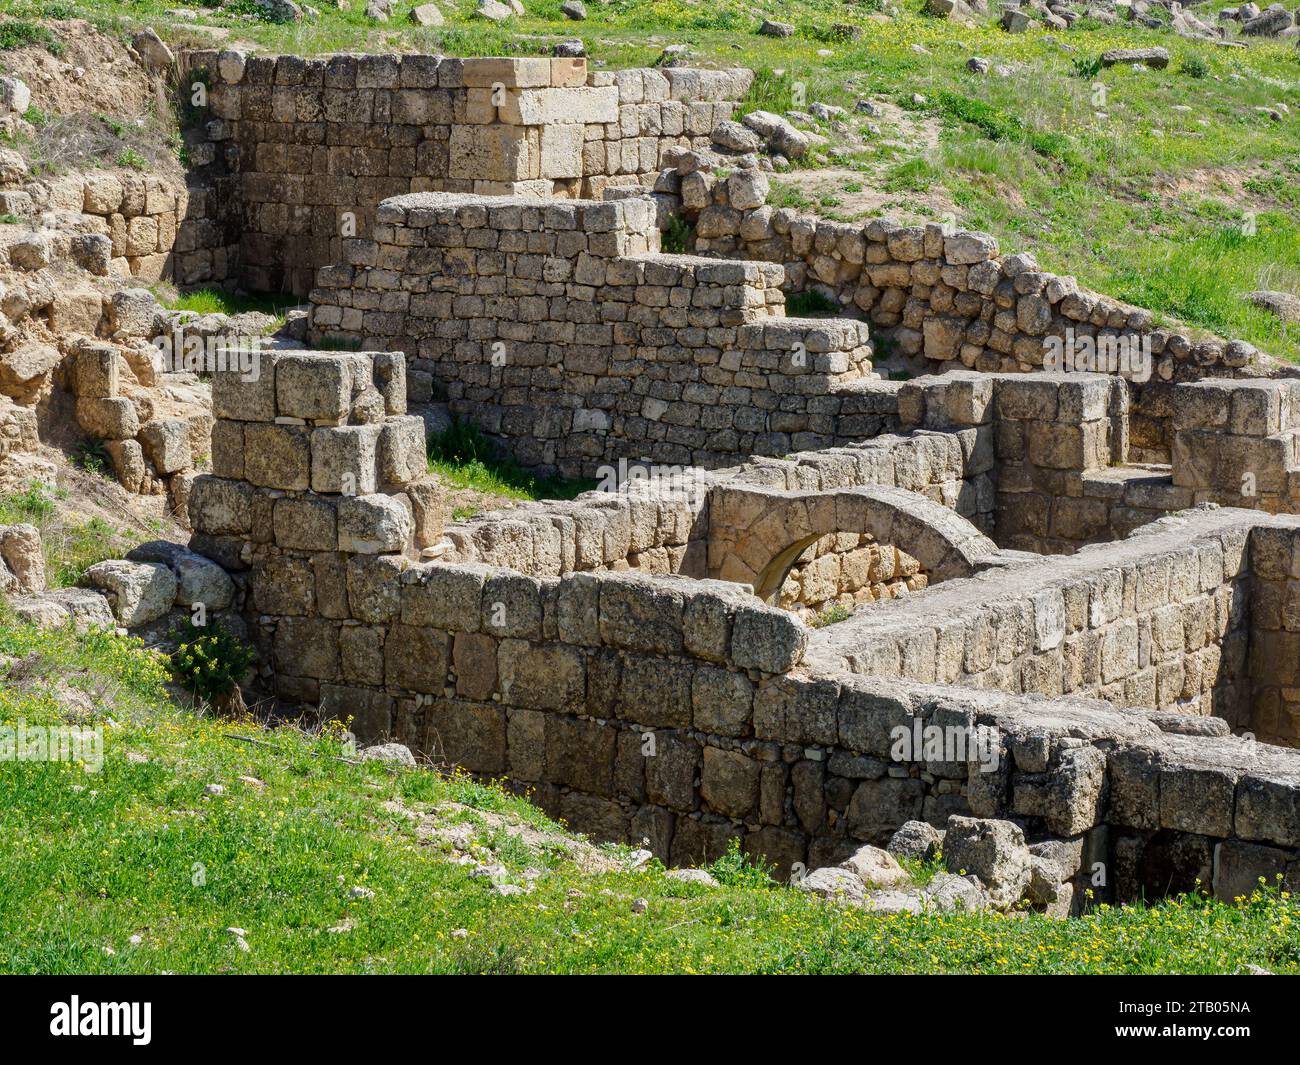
{"x":1067,"y":586}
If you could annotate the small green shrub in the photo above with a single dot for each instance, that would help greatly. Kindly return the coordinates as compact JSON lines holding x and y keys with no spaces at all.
{"x":131,"y":159}
{"x":737,"y":869}
{"x":831,"y":616}
{"x":1194,"y":67}
{"x":208,"y":660}
{"x":810,"y":303}
{"x":93,"y":457}
{"x":1086,"y":68}
{"x":677,"y":237}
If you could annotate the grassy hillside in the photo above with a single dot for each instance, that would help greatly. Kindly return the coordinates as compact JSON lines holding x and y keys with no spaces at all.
{"x":326,"y":864}
{"x":1167,"y":188}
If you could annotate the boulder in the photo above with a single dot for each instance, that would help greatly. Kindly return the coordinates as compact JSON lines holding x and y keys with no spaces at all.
{"x":138,"y":592}
{"x":1156,"y":58}
{"x":574,"y":10}
{"x":13,"y":167}
{"x":155,"y":55}
{"x":916,"y":839}
{"x":493,"y":11}
{"x":947,"y":893}
{"x":1284,"y":305}
{"x":25,"y":372}
{"x":838,"y":885}
{"x":280,"y":10}
{"x":693,"y":876}
{"x":779,"y":135}
{"x":735,"y":137}
{"x":992,"y":851}
{"x":876,"y":868}
{"x":15,"y":96}
{"x":426,"y":15}
{"x":1268,"y":23}
{"x":776,"y":29}
{"x":397,"y":753}
{"x":20,"y":550}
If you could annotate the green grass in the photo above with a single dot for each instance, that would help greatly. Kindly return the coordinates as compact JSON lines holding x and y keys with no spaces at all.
{"x":88,"y":861}
{"x":465,"y":458}
{"x":71,"y":544}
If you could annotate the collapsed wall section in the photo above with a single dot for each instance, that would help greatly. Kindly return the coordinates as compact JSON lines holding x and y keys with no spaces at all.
{"x":947,"y":295}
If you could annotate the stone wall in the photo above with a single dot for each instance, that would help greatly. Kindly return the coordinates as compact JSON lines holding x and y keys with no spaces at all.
{"x":562,"y":329}
{"x":686,"y":713}
{"x":946,"y":295}
{"x":293,"y":155}
{"x":1274,"y":663}
{"x":1159,"y":620}
{"x":118,"y":223}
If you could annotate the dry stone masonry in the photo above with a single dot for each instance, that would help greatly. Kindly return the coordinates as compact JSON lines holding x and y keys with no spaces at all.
{"x":293,"y":155}
{"x":654,"y":703}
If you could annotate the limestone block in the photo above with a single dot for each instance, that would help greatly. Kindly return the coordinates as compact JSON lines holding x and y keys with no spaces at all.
{"x":315,"y":388}
{"x":993,"y":851}
{"x":138,"y":592}
{"x":304,"y":524}
{"x":541,"y":676}
{"x":109,"y":419}
{"x":95,"y":371}
{"x":401,"y":450}
{"x":344,"y":459}
{"x":561,"y":106}
{"x":494,"y":153}
{"x":20,"y":550}
{"x":561,"y":151}
{"x":167,"y":445}
{"x":277,"y":456}
{"x":373,"y":524}
{"x":221,"y":507}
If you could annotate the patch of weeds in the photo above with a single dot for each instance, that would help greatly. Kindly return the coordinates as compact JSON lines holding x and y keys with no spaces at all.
{"x":915,"y":175}
{"x":810,"y":303}
{"x":466,"y":458}
{"x":771,"y":90}
{"x":93,"y":457}
{"x":1194,"y":67}
{"x":831,"y":616}
{"x":23,"y":34}
{"x":36,"y":503}
{"x":131,"y":159}
{"x":998,"y":125}
{"x":1085,"y":67}
{"x":10,"y":220}
{"x":782,"y":195}
{"x":36,"y":117}
{"x":676,"y":238}
{"x":737,"y":869}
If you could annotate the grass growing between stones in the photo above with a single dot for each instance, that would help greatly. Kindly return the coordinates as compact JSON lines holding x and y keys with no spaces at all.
{"x":71,"y":545}
{"x":467,"y":459}
{"x":143,"y":848}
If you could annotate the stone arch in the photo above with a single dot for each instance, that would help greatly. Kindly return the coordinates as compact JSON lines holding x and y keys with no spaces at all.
{"x":756,"y":534}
